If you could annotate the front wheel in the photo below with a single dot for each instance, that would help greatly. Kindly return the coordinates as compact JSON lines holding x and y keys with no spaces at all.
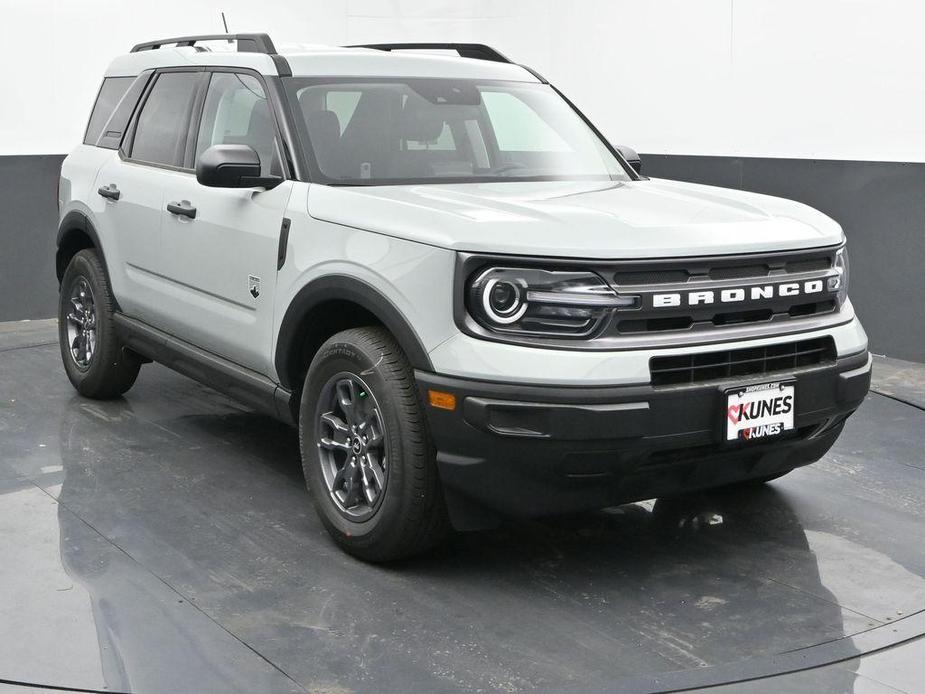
{"x":366,"y":452}
{"x":93,"y":355}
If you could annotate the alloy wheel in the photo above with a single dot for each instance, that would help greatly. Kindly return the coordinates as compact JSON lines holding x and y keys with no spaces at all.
{"x":352,"y":446}
{"x":81,"y":324}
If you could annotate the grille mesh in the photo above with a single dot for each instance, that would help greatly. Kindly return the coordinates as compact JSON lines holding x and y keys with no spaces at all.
{"x":651,"y":277}
{"x":749,"y":361}
{"x":735,"y":272}
{"x":719,"y":268}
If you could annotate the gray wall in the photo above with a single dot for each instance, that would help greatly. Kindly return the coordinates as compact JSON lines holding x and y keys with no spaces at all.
{"x":880,"y":205}
{"x":28,"y":223}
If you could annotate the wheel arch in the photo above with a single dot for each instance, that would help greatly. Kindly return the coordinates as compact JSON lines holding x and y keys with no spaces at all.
{"x":76,"y":233}
{"x":327,"y":305}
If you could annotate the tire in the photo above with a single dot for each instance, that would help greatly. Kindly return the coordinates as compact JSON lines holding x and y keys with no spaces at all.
{"x":407,"y":514}
{"x":110,"y":370}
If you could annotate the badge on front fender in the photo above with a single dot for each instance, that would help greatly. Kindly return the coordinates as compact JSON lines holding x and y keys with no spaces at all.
{"x":253,"y":286}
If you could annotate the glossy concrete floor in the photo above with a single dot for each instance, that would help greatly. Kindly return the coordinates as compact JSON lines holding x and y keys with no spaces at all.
{"x":164,"y":542}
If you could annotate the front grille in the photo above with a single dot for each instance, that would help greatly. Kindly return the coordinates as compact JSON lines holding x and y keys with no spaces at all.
{"x":683,"y":278}
{"x":721,"y":268}
{"x":809,"y":265}
{"x":738,"y":272}
{"x":768,"y":360}
{"x":650,"y":277}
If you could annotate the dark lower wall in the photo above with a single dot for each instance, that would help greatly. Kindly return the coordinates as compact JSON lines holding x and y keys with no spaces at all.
{"x":881,"y":207}
{"x":28,"y":224}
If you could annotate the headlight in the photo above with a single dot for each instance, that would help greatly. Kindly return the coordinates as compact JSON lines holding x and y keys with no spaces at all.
{"x":839,"y":282}
{"x":531,"y":301}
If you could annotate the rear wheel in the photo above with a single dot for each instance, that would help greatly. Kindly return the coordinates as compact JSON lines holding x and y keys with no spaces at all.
{"x":367,"y":455}
{"x":93,"y":356}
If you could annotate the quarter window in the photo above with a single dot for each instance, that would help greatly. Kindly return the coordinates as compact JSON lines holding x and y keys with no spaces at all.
{"x":162,"y":130}
{"x":110,"y":95}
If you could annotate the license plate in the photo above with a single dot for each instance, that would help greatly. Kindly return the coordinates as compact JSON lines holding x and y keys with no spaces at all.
{"x":759,"y":412}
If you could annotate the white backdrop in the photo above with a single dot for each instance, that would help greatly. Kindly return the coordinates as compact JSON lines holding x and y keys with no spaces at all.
{"x":828,"y":79}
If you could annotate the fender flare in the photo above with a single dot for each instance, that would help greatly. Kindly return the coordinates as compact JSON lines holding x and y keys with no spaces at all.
{"x":357,"y":291}
{"x":77,"y":221}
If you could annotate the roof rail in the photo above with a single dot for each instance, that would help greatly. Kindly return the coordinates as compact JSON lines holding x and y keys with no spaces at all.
{"x":479,"y":51}
{"x":247,"y":43}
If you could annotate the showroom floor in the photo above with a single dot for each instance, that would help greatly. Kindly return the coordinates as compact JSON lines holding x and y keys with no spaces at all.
{"x":171,"y":547}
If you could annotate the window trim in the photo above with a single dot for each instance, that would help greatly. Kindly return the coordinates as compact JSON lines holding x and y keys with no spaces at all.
{"x":192,"y":125}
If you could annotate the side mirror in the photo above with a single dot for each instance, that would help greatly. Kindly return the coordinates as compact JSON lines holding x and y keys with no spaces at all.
{"x":232,"y":166}
{"x":631,"y":157}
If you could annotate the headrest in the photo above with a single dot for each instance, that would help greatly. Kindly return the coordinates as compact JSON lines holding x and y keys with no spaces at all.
{"x":310,"y":100}
{"x":260,"y":124}
{"x":323,"y":126}
{"x":421,"y":124}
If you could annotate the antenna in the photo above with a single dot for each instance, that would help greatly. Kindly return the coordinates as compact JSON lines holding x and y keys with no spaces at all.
{"x":225,"y":22}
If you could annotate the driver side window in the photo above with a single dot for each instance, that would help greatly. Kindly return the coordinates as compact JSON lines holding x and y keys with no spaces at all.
{"x":236,"y":111}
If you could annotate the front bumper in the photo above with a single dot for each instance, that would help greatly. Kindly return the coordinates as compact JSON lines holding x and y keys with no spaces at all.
{"x":529,"y":450}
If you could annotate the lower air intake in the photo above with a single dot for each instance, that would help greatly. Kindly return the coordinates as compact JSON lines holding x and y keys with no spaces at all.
{"x":749,"y":361}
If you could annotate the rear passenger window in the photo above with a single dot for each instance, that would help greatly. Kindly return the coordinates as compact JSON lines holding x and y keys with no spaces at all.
{"x":162,"y":130}
{"x":110,"y":94}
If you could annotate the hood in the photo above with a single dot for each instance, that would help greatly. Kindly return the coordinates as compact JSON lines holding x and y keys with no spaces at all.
{"x":637,"y":219}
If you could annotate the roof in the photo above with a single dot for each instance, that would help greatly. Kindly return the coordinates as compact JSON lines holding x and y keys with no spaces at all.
{"x":322,"y":61}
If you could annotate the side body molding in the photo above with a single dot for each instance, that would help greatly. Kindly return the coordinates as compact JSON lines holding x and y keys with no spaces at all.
{"x":341,"y":288}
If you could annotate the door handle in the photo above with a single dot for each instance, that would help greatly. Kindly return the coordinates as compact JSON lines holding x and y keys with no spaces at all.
{"x":110,"y":192}
{"x":183,"y":208}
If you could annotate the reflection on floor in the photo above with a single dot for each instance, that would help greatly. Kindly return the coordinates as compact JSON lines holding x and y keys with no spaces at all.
{"x":164,"y":542}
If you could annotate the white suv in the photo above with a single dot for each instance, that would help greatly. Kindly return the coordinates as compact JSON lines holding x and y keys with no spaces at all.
{"x":471,"y":304}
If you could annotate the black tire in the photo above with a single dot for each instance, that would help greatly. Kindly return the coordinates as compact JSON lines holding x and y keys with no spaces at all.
{"x":410,"y":517}
{"x":110,"y":370}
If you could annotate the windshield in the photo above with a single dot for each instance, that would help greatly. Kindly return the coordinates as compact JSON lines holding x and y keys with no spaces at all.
{"x":359,"y":131}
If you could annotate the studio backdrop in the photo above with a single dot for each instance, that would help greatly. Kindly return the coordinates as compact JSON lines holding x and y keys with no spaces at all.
{"x":820,"y":102}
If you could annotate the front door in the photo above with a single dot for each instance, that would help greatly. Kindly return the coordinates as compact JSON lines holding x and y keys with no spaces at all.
{"x":220,"y":262}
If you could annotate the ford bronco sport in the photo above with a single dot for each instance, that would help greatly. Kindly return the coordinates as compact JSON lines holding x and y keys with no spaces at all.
{"x":470,"y":303}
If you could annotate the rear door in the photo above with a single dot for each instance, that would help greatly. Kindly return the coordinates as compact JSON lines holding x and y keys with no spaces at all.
{"x":220,"y":265}
{"x":131,"y":190}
